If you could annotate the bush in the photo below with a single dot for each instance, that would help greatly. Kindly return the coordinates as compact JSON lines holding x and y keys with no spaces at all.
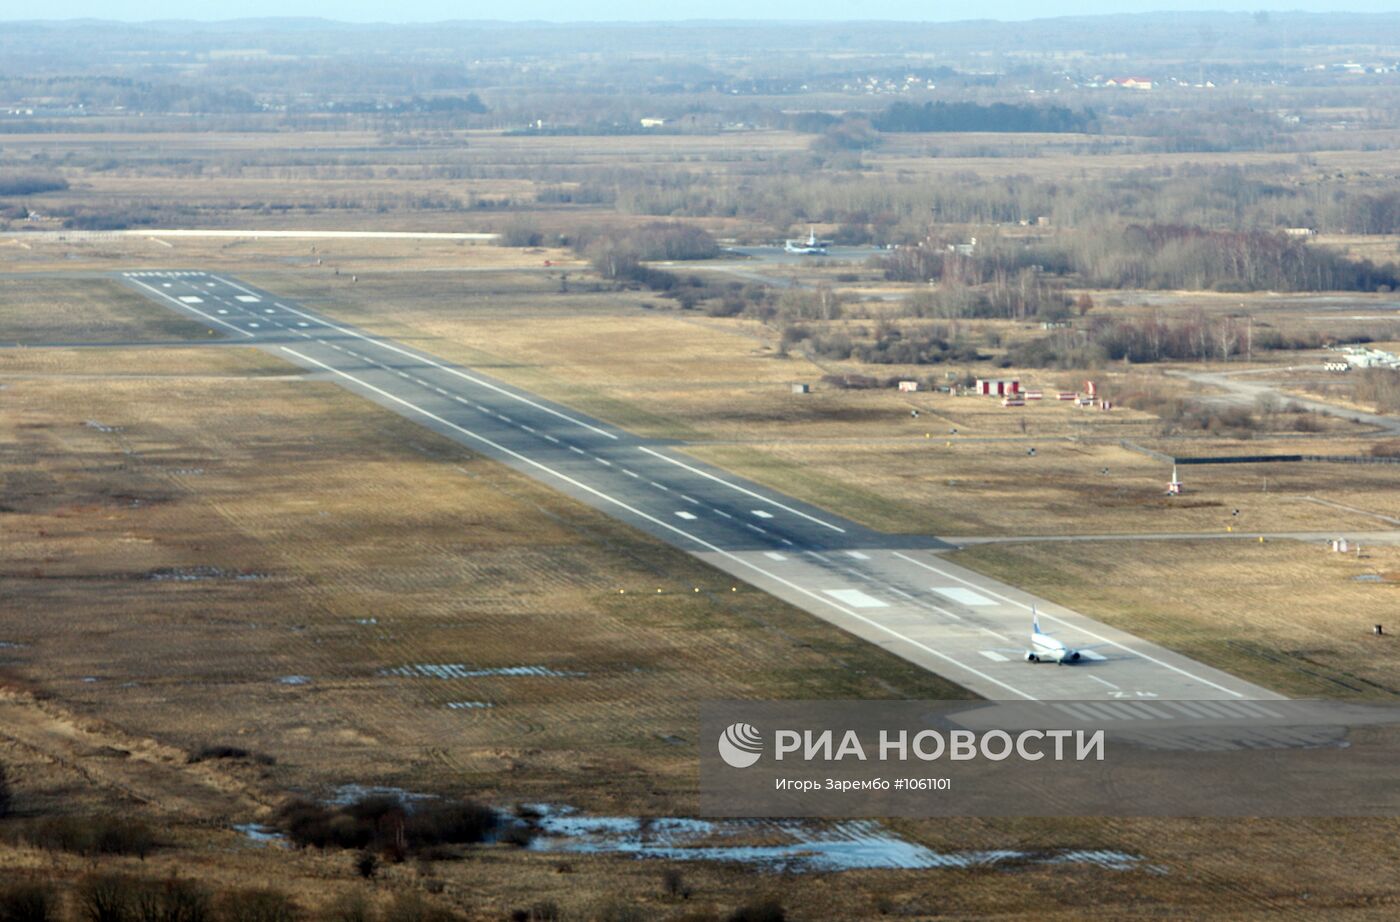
{"x":88,"y":835}
{"x":521,"y":235}
{"x":546,"y":911}
{"x":386,"y":823}
{"x":207,"y":753}
{"x":107,"y":898}
{"x":763,"y":911}
{"x":27,"y":902}
{"x":171,"y":901}
{"x":31,"y":185}
{"x":5,"y":793}
{"x":257,"y":905}
{"x":673,"y":884}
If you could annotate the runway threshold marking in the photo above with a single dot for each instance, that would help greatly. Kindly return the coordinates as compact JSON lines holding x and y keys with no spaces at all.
{"x":698,"y":541}
{"x":438,"y":365}
{"x":746,"y":492}
{"x":185,"y":307}
{"x":1082,"y":630}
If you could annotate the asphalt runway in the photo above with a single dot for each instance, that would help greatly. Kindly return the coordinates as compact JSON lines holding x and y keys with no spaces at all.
{"x":892,"y":590}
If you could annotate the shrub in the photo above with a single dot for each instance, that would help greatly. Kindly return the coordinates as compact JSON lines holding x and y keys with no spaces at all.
{"x":107,"y":898}
{"x":207,"y":753}
{"x":31,"y":185}
{"x":387,"y":824}
{"x":27,"y":902}
{"x":546,"y":911}
{"x":5,"y":794}
{"x":170,"y":901}
{"x":762,"y":911}
{"x":88,"y":835}
{"x":673,"y":884}
{"x":257,"y":905}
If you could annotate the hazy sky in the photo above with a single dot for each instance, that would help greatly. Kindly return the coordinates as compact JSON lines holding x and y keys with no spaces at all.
{"x":576,"y":10}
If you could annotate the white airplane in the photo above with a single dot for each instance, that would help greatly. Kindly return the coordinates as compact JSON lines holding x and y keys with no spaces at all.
{"x":809,"y":247}
{"x":1045,"y":648}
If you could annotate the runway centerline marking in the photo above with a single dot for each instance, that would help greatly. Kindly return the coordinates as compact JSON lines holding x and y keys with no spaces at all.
{"x":734,"y":486}
{"x":1082,"y":630}
{"x":700,"y":542}
{"x":438,"y":365}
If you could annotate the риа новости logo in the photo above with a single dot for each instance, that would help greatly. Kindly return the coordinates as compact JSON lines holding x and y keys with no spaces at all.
{"x":740,"y":745}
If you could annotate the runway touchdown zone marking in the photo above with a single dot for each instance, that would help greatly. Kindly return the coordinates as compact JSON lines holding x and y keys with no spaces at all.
{"x":963,"y":596}
{"x":855,"y":598}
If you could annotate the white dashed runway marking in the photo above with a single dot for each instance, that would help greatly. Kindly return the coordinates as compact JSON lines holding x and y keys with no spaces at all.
{"x":855,"y":598}
{"x":963,"y":596}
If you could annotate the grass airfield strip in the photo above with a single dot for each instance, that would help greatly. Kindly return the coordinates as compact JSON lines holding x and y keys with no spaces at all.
{"x":716,"y":517}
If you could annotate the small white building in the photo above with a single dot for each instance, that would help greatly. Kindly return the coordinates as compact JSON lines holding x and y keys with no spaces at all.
{"x":801,"y":388}
{"x":908,"y":387}
{"x":998,"y":387}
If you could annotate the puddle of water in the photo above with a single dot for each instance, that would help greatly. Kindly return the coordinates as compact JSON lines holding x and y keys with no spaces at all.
{"x":469,"y":705}
{"x":294,"y":680}
{"x":349,"y":793}
{"x":262,"y":835}
{"x":1367,"y":578}
{"x":790,"y":846}
{"x":194,"y":574}
{"x":810,"y":847}
{"x":94,"y":424}
{"x":461,"y":671}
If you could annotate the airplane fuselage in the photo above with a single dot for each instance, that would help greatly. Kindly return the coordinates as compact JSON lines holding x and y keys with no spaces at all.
{"x":1046,"y":649}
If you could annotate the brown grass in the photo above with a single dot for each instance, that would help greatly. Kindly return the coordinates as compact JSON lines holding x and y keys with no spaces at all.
{"x":87,"y":310}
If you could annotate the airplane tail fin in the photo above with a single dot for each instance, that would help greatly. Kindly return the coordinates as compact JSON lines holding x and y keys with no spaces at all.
{"x":1035,"y":621}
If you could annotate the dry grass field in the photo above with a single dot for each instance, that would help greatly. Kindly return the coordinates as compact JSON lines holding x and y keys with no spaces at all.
{"x":86,"y":310}
{"x":993,"y":487}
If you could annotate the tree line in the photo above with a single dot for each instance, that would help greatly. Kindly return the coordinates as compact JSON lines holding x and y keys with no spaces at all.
{"x":971,"y":116}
